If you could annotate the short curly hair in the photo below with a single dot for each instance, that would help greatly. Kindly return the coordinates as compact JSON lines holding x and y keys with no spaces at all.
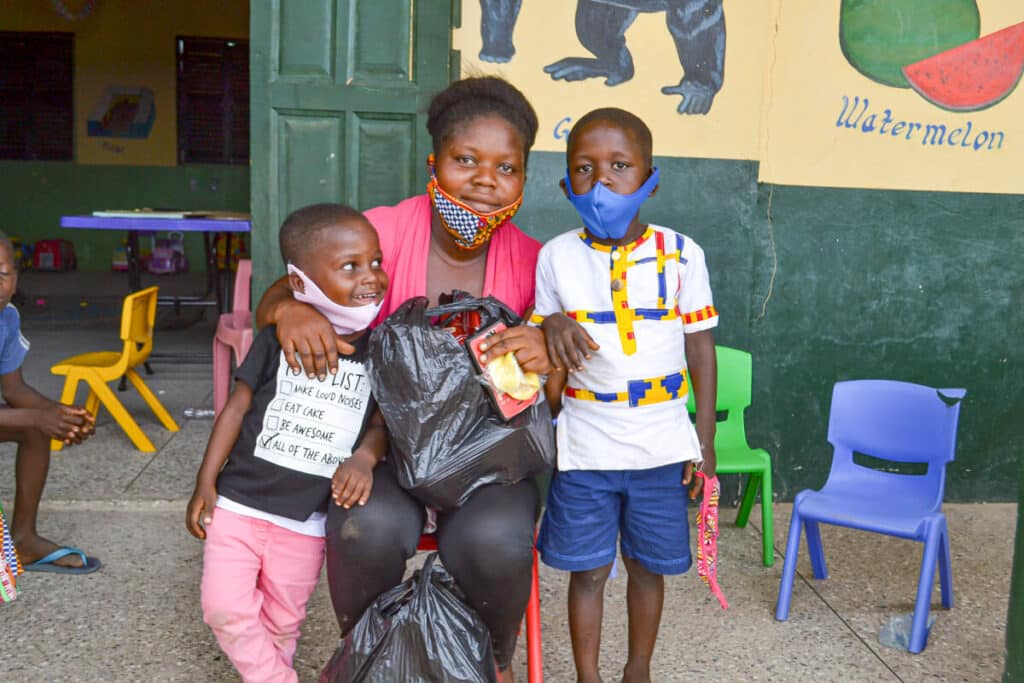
{"x":301,"y":231}
{"x":621,"y":118}
{"x":469,"y":98}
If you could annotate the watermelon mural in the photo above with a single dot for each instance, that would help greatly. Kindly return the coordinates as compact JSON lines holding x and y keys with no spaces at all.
{"x":880,"y":37}
{"x":972,"y":76}
{"x":896,"y":95}
{"x":933,"y":47}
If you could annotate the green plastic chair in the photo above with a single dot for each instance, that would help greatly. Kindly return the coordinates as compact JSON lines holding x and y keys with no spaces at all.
{"x":734,"y":455}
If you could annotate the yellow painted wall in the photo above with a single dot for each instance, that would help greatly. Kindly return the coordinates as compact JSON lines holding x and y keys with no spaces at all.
{"x":129,"y":43}
{"x":545,"y":33}
{"x":790,"y":98}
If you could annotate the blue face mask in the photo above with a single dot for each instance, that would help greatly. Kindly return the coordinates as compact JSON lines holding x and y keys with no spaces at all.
{"x":605,"y":213}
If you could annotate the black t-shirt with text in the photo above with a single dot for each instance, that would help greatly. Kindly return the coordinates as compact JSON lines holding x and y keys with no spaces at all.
{"x":296,"y":431}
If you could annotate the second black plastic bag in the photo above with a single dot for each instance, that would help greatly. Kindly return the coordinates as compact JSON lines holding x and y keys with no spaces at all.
{"x":418,"y":632}
{"x":446,"y":440}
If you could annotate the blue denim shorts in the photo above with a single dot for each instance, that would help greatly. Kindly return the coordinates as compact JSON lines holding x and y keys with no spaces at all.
{"x":588,"y":510}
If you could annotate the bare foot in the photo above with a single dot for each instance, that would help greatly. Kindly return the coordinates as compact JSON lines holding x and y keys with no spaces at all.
{"x":636,"y":673}
{"x":34,"y":547}
{"x":506,"y":675}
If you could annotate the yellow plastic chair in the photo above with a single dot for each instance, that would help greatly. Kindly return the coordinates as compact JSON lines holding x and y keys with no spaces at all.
{"x":99,"y":368}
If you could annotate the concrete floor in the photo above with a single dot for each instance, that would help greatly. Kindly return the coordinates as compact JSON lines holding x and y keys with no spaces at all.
{"x":139,"y":618}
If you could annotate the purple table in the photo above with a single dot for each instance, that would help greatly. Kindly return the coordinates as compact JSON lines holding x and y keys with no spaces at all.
{"x":135,"y":224}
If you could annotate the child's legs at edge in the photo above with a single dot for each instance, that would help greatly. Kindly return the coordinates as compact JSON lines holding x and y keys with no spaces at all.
{"x":586,"y":612}
{"x":31,"y":467}
{"x":579,"y":534}
{"x":655,"y":542}
{"x":257,"y":580}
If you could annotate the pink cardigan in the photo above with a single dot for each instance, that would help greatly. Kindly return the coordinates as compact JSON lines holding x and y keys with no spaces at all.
{"x":404,"y":231}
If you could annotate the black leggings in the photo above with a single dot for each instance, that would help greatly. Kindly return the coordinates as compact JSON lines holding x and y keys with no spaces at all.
{"x":487,"y":545}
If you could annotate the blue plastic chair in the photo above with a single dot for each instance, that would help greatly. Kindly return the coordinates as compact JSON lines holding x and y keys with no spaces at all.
{"x":899,"y":422}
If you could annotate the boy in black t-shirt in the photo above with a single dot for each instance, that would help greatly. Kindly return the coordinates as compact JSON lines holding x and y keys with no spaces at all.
{"x":283,"y":445}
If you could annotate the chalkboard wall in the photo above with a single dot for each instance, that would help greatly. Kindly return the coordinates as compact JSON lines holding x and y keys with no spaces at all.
{"x":822,"y":285}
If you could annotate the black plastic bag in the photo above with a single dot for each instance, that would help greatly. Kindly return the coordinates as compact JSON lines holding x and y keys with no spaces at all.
{"x":418,"y":632}
{"x":446,"y":439}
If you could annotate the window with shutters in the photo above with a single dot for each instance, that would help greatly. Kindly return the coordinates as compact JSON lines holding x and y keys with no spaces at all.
{"x":36,"y":99}
{"x":213,"y":101}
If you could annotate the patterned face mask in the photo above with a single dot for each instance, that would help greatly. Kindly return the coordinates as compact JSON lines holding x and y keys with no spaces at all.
{"x":470,"y":228}
{"x":707,"y":537}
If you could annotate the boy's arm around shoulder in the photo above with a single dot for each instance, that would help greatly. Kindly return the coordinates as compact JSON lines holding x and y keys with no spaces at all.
{"x":222,"y":440}
{"x":29,"y":408}
{"x":309,"y":342}
{"x":703,"y":370}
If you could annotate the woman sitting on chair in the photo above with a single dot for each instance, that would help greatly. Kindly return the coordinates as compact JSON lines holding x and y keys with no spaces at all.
{"x":482,"y":130}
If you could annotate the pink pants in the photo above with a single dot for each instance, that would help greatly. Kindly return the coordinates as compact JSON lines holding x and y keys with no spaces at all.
{"x":257,"y":579}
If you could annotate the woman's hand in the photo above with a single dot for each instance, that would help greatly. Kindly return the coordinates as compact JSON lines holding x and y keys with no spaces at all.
{"x":527,"y":343}
{"x":568,"y":343}
{"x":308,"y":340}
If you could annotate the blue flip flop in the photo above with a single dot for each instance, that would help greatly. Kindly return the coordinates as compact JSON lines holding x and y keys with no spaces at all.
{"x":46,"y":564}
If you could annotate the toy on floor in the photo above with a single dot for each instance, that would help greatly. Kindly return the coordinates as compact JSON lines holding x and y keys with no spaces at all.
{"x":55,"y":255}
{"x":230,"y":250}
{"x":22,"y":253}
{"x":169,"y":255}
{"x":119,"y":259}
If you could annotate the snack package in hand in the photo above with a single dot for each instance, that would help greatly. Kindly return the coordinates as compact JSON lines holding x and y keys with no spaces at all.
{"x":509,"y":377}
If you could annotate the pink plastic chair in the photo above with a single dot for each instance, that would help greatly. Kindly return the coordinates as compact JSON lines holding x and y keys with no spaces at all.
{"x":234,"y":332}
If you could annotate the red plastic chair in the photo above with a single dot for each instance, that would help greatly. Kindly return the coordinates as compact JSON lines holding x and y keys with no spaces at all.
{"x":534,"y":655}
{"x":234,"y":333}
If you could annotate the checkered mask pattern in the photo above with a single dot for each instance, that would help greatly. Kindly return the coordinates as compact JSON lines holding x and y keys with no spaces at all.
{"x":469,"y":227}
{"x":10,"y":566}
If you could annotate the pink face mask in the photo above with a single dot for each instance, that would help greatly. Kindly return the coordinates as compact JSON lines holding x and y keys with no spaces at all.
{"x":345,"y":319}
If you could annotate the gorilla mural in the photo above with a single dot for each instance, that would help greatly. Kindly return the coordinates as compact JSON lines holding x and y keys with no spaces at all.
{"x":497,"y":20}
{"x":696,"y":26}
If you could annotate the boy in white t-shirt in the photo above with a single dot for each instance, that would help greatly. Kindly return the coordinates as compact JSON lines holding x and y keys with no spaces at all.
{"x":628,"y":315}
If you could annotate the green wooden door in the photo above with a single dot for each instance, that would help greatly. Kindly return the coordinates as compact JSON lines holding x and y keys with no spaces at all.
{"x":339,"y":95}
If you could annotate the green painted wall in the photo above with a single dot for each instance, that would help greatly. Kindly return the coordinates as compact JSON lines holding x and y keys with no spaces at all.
{"x":1014,"y":671}
{"x":823,"y":285}
{"x":36,"y":194}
